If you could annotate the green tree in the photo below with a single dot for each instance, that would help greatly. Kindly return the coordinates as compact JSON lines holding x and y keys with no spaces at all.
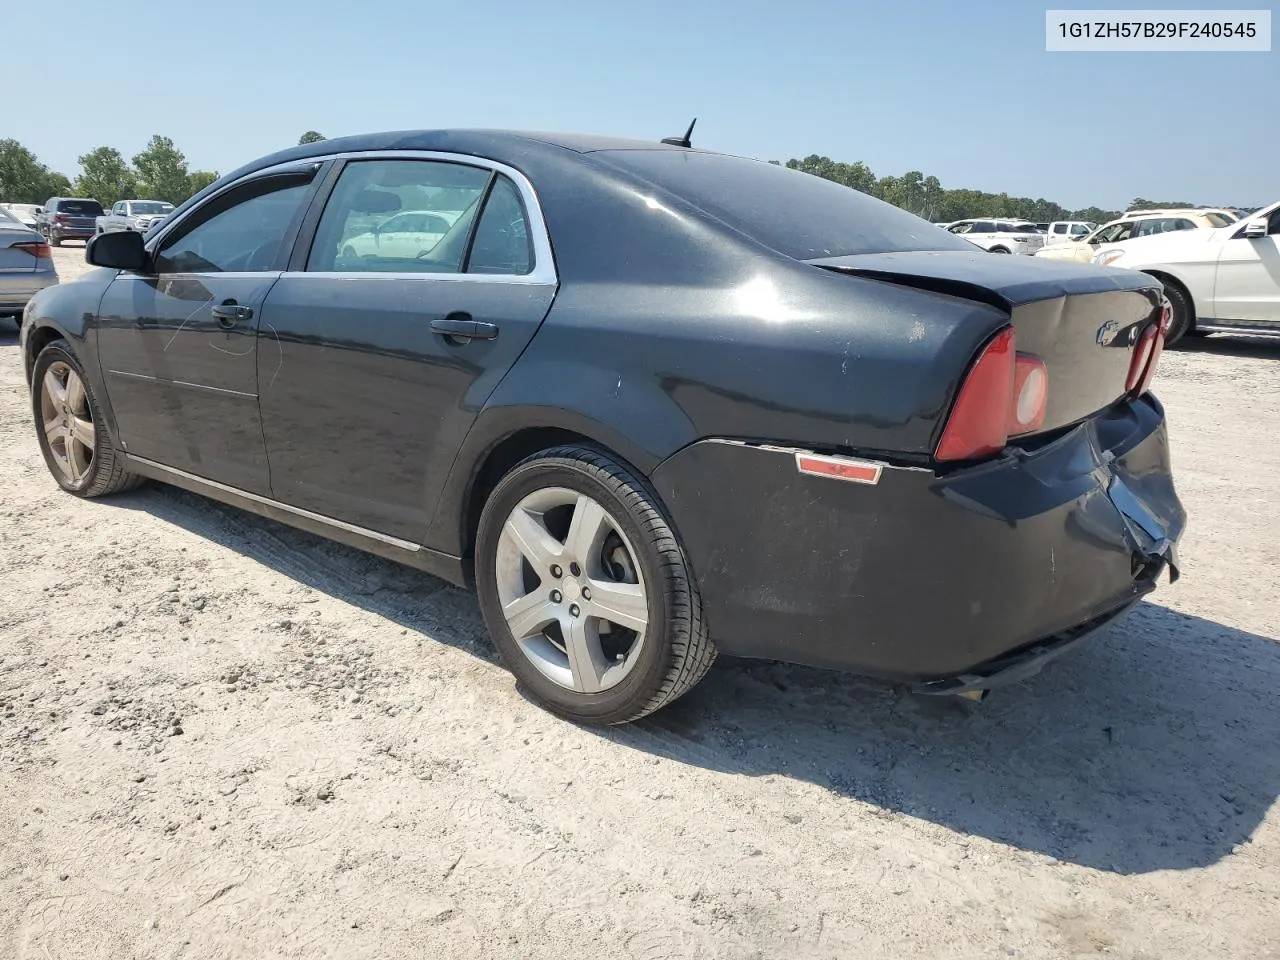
{"x":105,"y":177}
{"x":199,"y":179}
{"x":24,"y":179}
{"x":310,"y":136}
{"x":162,"y":171}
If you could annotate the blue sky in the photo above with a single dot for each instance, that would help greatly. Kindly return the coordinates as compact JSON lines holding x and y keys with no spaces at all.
{"x":964,"y":91}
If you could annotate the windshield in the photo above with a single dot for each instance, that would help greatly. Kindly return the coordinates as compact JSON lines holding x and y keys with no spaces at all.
{"x":1218,"y":219}
{"x":151,"y":206}
{"x":797,"y":214}
{"x":82,"y":208}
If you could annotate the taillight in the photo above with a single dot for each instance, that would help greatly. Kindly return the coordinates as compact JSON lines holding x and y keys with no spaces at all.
{"x":60,"y":218}
{"x":979,"y":421}
{"x":37,"y":248}
{"x":1146,"y":354}
{"x":1004,"y":395}
{"x":1030,"y":394}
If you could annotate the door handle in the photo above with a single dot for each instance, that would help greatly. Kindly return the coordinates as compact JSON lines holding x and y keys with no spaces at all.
{"x":229,"y":313}
{"x":459,"y":328}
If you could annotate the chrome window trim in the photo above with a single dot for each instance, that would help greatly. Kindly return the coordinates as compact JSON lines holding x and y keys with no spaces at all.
{"x":544,"y":267}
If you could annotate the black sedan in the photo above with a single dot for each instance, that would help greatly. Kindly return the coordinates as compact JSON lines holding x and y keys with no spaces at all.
{"x":654,"y":402}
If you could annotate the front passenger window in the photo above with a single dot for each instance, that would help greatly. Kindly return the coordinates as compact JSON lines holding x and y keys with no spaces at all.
{"x":240,"y":232}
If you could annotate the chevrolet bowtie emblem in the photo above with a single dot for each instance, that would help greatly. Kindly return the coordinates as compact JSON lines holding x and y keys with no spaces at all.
{"x":1107,"y":332}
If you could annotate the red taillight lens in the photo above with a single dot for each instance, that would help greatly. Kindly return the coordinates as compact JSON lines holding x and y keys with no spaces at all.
{"x":979,"y":421}
{"x":1146,"y":354}
{"x":1030,"y":395}
{"x":37,"y":248}
{"x":1004,"y":395}
{"x":60,"y":218}
{"x":1166,"y":317}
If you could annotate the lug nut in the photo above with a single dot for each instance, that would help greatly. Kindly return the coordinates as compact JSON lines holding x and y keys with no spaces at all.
{"x":573,"y":610}
{"x":556,"y":571}
{"x":555,"y":596}
{"x":575,"y":569}
{"x":586,"y":593}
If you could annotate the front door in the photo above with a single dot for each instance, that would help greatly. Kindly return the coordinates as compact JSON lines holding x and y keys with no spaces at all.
{"x":178,"y":344}
{"x":366,"y":392}
{"x":1248,"y":281}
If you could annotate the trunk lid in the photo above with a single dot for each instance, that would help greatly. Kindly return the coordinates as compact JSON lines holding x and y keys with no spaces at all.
{"x":15,"y":259}
{"x":1082,"y":321}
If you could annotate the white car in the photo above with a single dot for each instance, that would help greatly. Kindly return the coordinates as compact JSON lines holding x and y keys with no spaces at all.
{"x":1218,"y":280}
{"x":1064,"y":231}
{"x":1000,"y":236}
{"x":406,"y":235}
{"x":24,"y":213}
{"x":1137,"y":224}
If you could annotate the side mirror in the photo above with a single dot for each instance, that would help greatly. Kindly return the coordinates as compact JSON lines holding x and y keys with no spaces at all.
{"x":121,"y":250}
{"x":1255,"y":229}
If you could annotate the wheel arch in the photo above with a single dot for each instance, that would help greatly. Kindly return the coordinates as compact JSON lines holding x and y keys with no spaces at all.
{"x":496,"y":444}
{"x":42,"y":334}
{"x":1165,"y":277}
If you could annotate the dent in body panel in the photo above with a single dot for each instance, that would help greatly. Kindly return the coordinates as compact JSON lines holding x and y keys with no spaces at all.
{"x":921,"y":575}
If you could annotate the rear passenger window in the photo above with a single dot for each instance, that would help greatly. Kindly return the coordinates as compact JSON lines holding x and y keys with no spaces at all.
{"x":502,"y":237}
{"x":399,"y":216}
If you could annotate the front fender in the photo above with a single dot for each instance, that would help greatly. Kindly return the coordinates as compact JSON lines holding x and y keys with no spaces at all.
{"x":68,"y":312}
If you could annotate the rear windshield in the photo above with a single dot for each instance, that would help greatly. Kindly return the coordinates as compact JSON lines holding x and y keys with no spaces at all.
{"x":84,"y":208}
{"x":151,"y":206}
{"x":797,"y":214}
{"x":1218,"y":220}
{"x":1024,"y":228}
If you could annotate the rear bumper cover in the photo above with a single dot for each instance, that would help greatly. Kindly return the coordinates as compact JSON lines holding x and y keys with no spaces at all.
{"x":949,"y":583}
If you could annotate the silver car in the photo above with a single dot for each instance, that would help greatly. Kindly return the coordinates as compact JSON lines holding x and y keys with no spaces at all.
{"x":26,"y":265}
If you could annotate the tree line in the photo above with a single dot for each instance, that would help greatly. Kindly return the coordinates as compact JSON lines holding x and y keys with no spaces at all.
{"x":926,"y":197}
{"x":160,"y":172}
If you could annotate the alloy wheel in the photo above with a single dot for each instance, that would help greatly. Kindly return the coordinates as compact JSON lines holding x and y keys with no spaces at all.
{"x":571,"y":590}
{"x":67,"y":422}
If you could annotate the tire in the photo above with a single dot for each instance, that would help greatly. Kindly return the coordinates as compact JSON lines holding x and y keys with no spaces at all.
{"x":54,"y":239}
{"x":348,"y":253}
{"x":997,"y":250}
{"x":1183,"y":320}
{"x":661,"y":664}
{"x":105,"y":473}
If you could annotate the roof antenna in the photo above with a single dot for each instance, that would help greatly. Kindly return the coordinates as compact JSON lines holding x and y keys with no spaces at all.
{"x":681,"y":141}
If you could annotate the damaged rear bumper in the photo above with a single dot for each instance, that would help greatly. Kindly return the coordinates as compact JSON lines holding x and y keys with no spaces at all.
{"x":952,"y":583}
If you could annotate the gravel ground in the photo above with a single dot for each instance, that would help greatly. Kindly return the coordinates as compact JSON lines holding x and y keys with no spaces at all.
{"x":220,"y":738}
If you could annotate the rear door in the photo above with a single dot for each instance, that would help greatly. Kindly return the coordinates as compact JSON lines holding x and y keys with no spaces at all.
{"x":373,"y":368}
{"x":178,"y":344}
{"x":1248,"y":281}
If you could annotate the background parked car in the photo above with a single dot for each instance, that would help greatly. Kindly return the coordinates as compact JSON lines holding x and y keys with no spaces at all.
{"x":69,"y":218}
{"x":1064,"y":231}
{"x":1223,"y":215}
{"x":1137,"y":224}
{"x":139,"y":215}
{"x":1221,"y":280}
{"x":26,"y":265}
{"x":26,"y":214}
{"x":1000,"y":236}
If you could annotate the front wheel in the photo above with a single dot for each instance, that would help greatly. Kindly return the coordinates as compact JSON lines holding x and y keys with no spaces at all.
{"x":73,"y":437}
{"x":997,"y":250}
{"x":585,"y":590}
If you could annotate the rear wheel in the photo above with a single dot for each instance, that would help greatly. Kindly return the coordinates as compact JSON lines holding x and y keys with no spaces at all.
{"x":997,"y":250}
{"x":1183,"y":315}
{"x":73,"y":437}
{"x":54,"y":239}
{"x":586,"y":591}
